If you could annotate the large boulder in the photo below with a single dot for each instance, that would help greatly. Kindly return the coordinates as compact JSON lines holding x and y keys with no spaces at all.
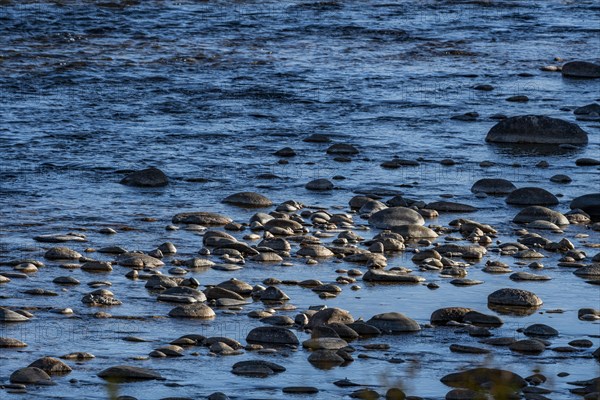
{"x":531,"y":196}
{"x":52,"y":366}
{"x":581,"y":69}
{"x":248,"y":199}
{"x":149,"y":177}
{"x":536,"y":129}
{"x":395,"y":216}
{"x":590,"y":203}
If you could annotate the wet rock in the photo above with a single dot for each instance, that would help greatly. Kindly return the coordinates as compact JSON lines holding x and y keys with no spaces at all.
{"x":540,"y":330}
{"x":459,"y":348}
{"x":514,"y":298}
{"x":468,"y":252}
{"x":531,"y":196}
{"x":317,"y":138}
{"x":560,"y":178}
{"x":285,"y":152}
{"x":382,"y":276}
{"x":319,"y":185}
{"x":181,"y":295}
{"x":149,"y":177}
{"x":30,"y":376}
{"x":536,"y":129}
{"x":394,"y":322}
{"x":413,"y":231}
{"x":201,"y":218}
{"x":444,"y":315}
{"x":587,"y":162}
{"x":325,"y":343}
{"x":248,"y":199}
{"x":58,"y":238}
{"x":237,"y":286}
{"x":52,"y":366}
{"x":528,"y":346}
{"x":329,"y":316}
{"x":448,"y":206}
{"x":539,"y":213}
{"x":218,"y":396}
{"x":484,"y":379}
{"x":325,"y":358}
{"x":124,"y":373}
{"x":138,"y":261}
{"x":316,"y":251}
{"x":588,"y":271}
{"x":62,"y":253}
{"x":395,"y":216}
{"x":300,"y":390}
{"x":7,"y":315}
{"x":97,"y":266}
{"x":273,"y":293}
{"x":256,"y":368}
{"x":6,"y":342}
{"x":78,"y":356}
{"x":342,"y":148}
{"x":196,"y":310}
{"x":527,"y":276}
{"x":65,"y":280}
{"x":581,"y":69}
{"x":100,"y":297}
{"x":590,"y":203}
{"x":161,"y":282}
{"x":480,"y":319}
{"x":493,"y":186}
{"x":272,"y":335}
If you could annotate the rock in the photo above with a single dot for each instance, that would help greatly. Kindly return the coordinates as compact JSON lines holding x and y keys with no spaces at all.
{"x":581,"y":69}
{"x":62,"y":253}
{"x":273,"y":293}
{"x":539,"y":213}
{"x":161,"y":282}
{"x":561,"y":178}
{"x":459,"y":348}
{"x":217,"y":292}
{"x":138,"y":261}
{"x":201,"y":218}
{"x":97,"y":266}
{"x":394,"y":322}
{"x":100,"y":297}
{"x":149,"y":177}
{"x":365,"y":394}
{"x":196,"y":310}
{"x":78,"y":356}
{"x":325,"y":343}
{"x":319,"y":185}
{"x":325,"y":358}
{"x":480,"y":319}
{"x":52,"y":366}
{"x":248,"y":199}
{"x":444,"y":315}
{"x":528,"y":346}
{"x":531,"y":196}
{"x":216,"y":396}
{"x":493,"y":186}
{"x":236,"y":286}
{"x":475,"y":252}
{"x":413,"y":231}
{"x":514,"y":298}
{"x":395,"y":216}
{"x":300,"y":390}
{"x":6,"y":343}
{"x":527,"y":276}
{"x":7,"y":315}
{"x":124,"y":373}
{"x":317,"y":138}
{"x":376,"y":275}
{"x":540,"y":330}
{"x":316,"y":251}
{"x":484,"y":379}
{"x":588,"y":271}
{"x":182,"y":295}
{"x":587,"y":162}
{"x":285,"y":152}
{"x":448,"y":206}
{"x":256,"y":368}
{"x":58,"y":238}
{"x":30,"y":376}
{"x":536,"y":129}
{"x":342,"y":148}
{"x":272,"y":335}
{"x":329,"y":316}
{"x":590,"y":203}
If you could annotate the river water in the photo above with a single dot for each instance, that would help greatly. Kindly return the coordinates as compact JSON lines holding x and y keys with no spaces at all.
{"x":210,"y":90}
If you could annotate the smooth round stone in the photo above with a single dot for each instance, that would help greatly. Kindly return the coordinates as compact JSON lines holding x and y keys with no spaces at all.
{"x":58,"y":238}
{"x":6,"y":342}
{"x":527,"y":276}
{"x":149,"y":177}
{"x":317,"y":251}
{"x":465,"y":282}
{"x":78,"y":356}
{"x":528,"y":346}
{"x":330,"y":316}
{"x":382,"y":276}
{"x":97,"y":266}
{"x":449,"y":206}
{"x":65,"y":280}
{"x":537,"y":213}
{"x":560,"y":178}
{"x":273,"y":293}
{"x":326,"y":343}
{"x":584,"y":343}
{"x":124,"y":373}
{"x":414,"y":231}
{"x":394,"y":322}
{"x":138,"y":261}
{"x":484,"y":378}
{"x":196,"y":310}
{"x":248,"y":199}
{"x":458,"y":348}
{"x":540,"y":330}
{"x":531,"y":196}
{"x":319,"y":185}
{"x":444,"y":315}
{"x":201,"y":218}
{"x":325,"y":358}
{"x":30,"y":375}
{"x":588,"y":271}
{"x":300,"y":390}
{"x":395,"y":216}
{"x":514,"y":298}
{"x":52,"y":366}
{"x":590,"y":203}
{"x":342,"y":148}
{"x":493,"y":186}
{"x":62,"y":253}
{"x":272,"y":335}
{"x":536,"y":129}
{"x":7,"y":315}
{"x":581,"y":70}
{"x":480,"y":319}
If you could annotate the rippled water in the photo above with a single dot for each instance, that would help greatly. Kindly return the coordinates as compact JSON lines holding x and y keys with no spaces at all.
{"x":210,"y":90}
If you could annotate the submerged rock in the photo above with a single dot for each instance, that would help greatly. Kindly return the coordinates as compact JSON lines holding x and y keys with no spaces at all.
{"x":248,"y":199}
{"x":123,"y":373}
{"x":394,"y":322}
{"x":531,"y":196}
{"x":581,"y":69}
{"x":536,"y":129}
{"x":514,"y":298}
{"x":395,"y":216}
{"x":149,"y":177}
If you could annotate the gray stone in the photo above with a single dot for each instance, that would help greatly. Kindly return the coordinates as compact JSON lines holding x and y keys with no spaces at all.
{"x":272,"y":335}
{"x":201,"y":218}
{"x":581,"y":69}
{"x":248,"y":199}
{"x":539,"y":213}
{"x":536,"y":129}
{"x":395,"y":216}
{"x":394,"y":322}
{"x":149,"y":177}
{"x":514,"y":298}
{"x":531,"y":196}
{"x":493,"y":186}
{"x":123,"y":373}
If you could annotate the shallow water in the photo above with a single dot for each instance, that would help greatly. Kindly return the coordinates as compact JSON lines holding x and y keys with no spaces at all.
{"x":211,"y":90}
